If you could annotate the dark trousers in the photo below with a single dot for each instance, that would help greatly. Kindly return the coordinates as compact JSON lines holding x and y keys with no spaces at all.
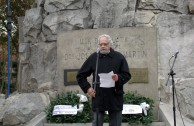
{"x":115,"y":118}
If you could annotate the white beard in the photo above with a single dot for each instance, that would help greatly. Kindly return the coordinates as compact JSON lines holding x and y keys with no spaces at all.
{"x":104,"y":51}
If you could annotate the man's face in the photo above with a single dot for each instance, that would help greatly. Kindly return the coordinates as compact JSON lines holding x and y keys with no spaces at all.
{"x":104,"y":45}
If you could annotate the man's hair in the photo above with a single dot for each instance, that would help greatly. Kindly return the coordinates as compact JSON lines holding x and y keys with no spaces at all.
{"x":107,"y":36}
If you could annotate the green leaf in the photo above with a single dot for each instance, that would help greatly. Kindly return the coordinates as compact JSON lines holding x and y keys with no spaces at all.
{"x":70,"y":98}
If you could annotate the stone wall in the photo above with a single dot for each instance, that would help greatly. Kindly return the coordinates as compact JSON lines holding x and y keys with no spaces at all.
{"x":137,"y":44}
{"x":173,"y":19}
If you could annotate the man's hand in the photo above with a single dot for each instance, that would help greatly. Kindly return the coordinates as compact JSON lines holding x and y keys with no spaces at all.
{"x":115,"y":77}
{"x":91,"y":92}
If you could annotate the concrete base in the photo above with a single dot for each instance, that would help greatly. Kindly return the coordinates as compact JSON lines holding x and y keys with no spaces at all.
{"x":39,"y":120}
{"x":166,"y":115}
{"x":106,"y":124}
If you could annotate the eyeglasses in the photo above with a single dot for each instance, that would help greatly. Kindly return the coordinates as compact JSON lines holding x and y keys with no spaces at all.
{"x":103,"y":44}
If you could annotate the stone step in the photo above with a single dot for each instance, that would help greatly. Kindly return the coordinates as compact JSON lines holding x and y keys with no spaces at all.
{"x":106,"y":124}
{"x":40,"y":120}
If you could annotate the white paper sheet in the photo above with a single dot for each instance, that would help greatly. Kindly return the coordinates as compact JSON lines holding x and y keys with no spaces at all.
{"x":130,"y":109}
{"x":65,"y":110}
{"x":106,"y":80}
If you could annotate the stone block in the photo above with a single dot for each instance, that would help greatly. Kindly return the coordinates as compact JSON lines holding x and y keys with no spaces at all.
{"x":191,"y":7}
{"x":138,"y":45}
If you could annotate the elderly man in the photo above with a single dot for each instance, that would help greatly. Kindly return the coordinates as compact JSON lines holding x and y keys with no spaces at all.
{"x":107,"y":98}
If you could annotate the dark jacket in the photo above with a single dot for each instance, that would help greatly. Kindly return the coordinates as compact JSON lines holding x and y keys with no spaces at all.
{"x":108,"y":98}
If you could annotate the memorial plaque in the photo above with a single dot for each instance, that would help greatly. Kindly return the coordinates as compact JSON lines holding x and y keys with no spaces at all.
{"x":70,"y":76}
{"x":139,"y":75}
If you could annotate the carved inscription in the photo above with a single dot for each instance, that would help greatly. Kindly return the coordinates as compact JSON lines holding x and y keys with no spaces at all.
{"x":84,"y":47}
{"x":134,"y":54}
{"x":79,"y":56}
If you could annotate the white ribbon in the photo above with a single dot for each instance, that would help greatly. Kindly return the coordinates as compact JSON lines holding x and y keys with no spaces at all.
{"x":82,"y":98}
{"x":145,"y":107}
{"x":69,"y":109}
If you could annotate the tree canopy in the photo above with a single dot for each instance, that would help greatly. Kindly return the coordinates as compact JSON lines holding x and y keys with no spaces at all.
{"x":17,"y":8}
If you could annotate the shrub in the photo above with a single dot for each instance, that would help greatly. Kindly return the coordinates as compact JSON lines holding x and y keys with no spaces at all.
{"x":136,"y":99}
{"x":70,"y":98}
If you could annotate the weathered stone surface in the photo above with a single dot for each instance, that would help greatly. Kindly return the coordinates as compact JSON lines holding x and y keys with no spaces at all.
{"x":45,"y":86}
{"x":21,"y":108}
{"x":43,"y":62}
{"x":58,"y":5}
{"x":185,"y":92}
{"x":2,"y":96}
{"x":178,"y":6}
{"x":40,"y":3}
{"x":2,"y":101}
{"x":32,"y":24}
{"x":176,"y":34}
{"x":21,"y":36}
{"x":113,"y":13}
{"x":64,"y":21}
{"x":145,"y":18}
{"x":191,"y":7}
{"x":24,"y":51}
{"x":39,"y":67}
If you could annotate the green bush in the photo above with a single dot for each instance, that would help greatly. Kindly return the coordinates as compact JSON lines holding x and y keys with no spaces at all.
{"x":70,"y":98}
{"x":136,"y":99}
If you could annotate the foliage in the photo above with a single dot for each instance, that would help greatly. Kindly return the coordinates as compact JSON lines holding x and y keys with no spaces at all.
{"x":69,"y":98}
{"x":3,"y":77}
{"x":17,"y":8}
{"x":136,"y":99}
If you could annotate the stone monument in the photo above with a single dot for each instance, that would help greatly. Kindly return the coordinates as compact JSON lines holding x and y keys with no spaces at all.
{"x":138,"y":45}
